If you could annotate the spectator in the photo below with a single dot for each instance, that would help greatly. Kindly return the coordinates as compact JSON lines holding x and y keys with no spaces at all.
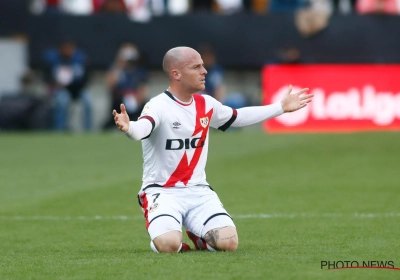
{"x":67,"y":77}
{"x":178,"y":7}
{"x":228,"y":6}
{"x":344,"y":6}
{"x":45,"y":6}
{"x":257,"y":6}
{"x":171,"y":7}
{"x":53,"y":6}
{"x":279,"y":6}
{"x":139,"y":11}
{"x":215,"y":76}
{"x":202,"y":5}
{"x":214,"y":85}
{"x":127,"y":82}
{"x":389,"y":7}
{"x":314,"y":18}
{"x":23,"y":109}
{"x":77,"y":7}
{"x":113,"y":7}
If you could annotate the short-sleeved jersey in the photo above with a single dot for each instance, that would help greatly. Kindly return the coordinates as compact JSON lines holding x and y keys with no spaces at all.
{"x":175,"y":152}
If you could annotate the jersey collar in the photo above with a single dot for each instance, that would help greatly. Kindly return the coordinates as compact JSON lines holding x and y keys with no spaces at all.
{"x":176,"y":100}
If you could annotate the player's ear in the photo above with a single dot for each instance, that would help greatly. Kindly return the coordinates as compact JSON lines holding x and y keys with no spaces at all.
{"x":176,"y":74}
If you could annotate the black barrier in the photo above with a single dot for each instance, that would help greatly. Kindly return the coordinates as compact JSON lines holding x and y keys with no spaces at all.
{"x":241,"y":41}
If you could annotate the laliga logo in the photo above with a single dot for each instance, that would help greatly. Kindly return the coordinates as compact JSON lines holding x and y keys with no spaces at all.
{"x":382,"y":108}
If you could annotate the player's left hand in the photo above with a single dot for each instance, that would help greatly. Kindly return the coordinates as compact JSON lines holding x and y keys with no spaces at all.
{"x":295,"y":101}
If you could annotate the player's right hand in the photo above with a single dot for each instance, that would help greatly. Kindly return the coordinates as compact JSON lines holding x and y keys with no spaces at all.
{"x":122,"y":119}
{"x":294,"y":101}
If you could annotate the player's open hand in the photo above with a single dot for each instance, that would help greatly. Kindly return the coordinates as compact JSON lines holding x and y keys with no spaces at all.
{"x":293,"y":102}
{"x":121,"y":120}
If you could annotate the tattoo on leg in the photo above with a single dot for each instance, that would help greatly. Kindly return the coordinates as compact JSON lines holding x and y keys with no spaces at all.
{"x":230,"y":237}
{"x":211,"y":237}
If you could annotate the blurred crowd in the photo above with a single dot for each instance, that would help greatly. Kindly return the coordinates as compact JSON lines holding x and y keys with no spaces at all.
{"x":143,"y":10}
{"x":66,"y":78}
{"x":65,"y":72}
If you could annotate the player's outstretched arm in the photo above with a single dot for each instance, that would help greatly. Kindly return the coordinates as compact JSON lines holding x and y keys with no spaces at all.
{"x":289,"y":103}
{"x":122,"y":119}
{"x":293,"y":102}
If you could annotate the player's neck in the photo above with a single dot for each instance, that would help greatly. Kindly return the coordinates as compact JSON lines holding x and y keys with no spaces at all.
{"x":180,"y":94}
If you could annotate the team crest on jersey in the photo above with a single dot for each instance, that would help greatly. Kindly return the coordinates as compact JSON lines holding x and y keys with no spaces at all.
{"x":204,"y":122}
{"x":153,"y":207}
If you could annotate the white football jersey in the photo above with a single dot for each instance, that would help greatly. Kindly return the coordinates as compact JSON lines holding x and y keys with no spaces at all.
{"x":175,"y":152}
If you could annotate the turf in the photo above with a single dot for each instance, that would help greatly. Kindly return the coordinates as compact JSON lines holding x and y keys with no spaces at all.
{"x":68,"y":207}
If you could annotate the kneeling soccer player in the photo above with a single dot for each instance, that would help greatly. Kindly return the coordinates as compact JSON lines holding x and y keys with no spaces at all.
{"x":174,"y":131}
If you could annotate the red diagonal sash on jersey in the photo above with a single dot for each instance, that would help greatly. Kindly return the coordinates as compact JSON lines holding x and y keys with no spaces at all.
{"x":184,"y":170}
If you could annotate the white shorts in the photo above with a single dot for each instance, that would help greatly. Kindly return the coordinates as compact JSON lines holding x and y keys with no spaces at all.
{"x":197,"y":208}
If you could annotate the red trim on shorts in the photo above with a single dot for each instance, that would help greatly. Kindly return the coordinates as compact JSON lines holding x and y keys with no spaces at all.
{"x":185,"y":169}
{"x":145,"y":203}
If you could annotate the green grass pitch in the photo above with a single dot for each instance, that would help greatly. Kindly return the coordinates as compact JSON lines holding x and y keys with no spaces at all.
{"x":68,"y":207}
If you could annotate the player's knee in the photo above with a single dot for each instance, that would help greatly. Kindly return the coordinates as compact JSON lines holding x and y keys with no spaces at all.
{"x":222,"y":239}
{"x":231,"y":244}
{"x":167,"y":246}
{"x":167,"y":243}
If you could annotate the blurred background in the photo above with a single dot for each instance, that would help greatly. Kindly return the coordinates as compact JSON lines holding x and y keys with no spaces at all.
{"x":65,"y":64}
{"x":68,"y":201}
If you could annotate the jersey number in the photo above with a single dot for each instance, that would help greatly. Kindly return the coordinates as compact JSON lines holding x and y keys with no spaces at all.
{"x":156,"y":196}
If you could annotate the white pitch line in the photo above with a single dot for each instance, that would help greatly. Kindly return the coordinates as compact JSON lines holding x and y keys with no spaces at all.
{"x":235,"y":216}
{"x":315,"y":215}
{"x":68,"y":218}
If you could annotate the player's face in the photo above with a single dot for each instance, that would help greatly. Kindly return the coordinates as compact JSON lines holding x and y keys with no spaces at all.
{"x":194,"y":73}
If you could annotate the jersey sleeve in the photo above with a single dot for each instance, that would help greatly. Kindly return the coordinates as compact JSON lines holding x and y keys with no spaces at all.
{"x":152,"y":113}
{"x":255,"y":114}
{"x":223,"y":116}
{"x":139,"y":129}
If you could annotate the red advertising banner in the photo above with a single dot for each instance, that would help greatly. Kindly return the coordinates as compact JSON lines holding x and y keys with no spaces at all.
{"x":347,"y":97}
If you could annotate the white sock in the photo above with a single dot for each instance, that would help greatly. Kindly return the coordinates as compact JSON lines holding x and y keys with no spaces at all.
{"x":154,"y":247}
{"x":209,"y":248}
{"x":180,"y":247}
